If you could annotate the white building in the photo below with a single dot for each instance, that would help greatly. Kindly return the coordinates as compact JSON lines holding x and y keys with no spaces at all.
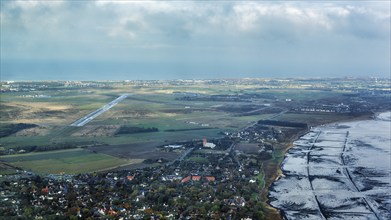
{"x":209,"y":145}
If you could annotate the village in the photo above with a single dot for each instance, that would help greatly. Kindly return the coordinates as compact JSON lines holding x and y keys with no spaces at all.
{"x":216,"y":179}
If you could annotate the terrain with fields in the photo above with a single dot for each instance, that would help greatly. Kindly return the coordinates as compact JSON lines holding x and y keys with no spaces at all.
{"x":35,"y":116}
{"x":37,"y":136}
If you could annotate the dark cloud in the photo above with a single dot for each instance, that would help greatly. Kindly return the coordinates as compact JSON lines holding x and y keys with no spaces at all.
{"x":233,"y":37}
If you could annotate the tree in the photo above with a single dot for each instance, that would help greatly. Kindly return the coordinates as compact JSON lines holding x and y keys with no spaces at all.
{"x":27,"y":212}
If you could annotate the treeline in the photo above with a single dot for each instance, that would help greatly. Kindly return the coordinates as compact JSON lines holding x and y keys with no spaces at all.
{"x":9,"y":129}
{"x":187,"y":129}
{"x":133,"y":130}
{"x":283,"y":123}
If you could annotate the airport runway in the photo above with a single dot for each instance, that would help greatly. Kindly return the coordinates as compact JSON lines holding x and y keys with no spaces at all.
{"x":84,"y":120}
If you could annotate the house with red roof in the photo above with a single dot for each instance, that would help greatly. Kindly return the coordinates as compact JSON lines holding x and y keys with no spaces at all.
{"x":210,"y":178}
{"x":45,"y":190}
{"x":186,"y":179}
{"x":196,"y":178}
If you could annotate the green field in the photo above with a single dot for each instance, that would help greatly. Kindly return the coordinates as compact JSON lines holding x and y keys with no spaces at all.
{"x":68,"y":161}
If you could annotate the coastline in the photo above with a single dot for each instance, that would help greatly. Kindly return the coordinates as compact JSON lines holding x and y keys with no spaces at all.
{"x":280,"y":173}
{"x":273,"y":211}
{"x":299,"y":135}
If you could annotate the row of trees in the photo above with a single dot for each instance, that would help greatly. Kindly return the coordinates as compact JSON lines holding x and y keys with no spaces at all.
{"x":133,"y":130}
{"x":283,"y":123}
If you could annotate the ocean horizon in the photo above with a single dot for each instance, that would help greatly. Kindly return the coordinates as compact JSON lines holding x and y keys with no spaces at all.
{"x":120,"y":70}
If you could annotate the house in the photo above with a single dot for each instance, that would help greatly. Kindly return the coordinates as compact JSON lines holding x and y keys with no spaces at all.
{"x":112,"y":212}
{"x":210,"y":178}
{"x":45,"y":190}
{"x":196,"y":178}
{"x":210,"y":145}
{"x":171,"y":178}
{"x":236,"y":201}
{"x":207,"y":144}
{"x":186,"y":179}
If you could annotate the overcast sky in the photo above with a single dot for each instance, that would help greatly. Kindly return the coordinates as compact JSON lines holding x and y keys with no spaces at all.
{"x":184,"y":39}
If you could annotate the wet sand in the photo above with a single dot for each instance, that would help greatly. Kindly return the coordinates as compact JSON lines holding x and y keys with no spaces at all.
{"x":338,"y":171}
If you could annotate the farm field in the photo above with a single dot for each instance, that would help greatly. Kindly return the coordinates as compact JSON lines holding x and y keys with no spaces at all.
{"x":71,"y":161}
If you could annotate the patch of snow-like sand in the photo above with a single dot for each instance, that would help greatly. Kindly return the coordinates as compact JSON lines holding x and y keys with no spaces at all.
{"x":298,"y":150}
{"x":328,"y":151}
{"x":302,"y":215}
{"x":385,"y":116}
{"x":335,"y":183}
{"x":325,"y":160}
{"x":326,"y":171}
{"x":295,"y":165}
{"x":342,"y":202}
{"x":333,"y":144}
{"x":367,"y":158}
{"x":293,"y":193}
{"x":371,"y":183}
{"x":332,"y":136}
{"x":351,"y":216}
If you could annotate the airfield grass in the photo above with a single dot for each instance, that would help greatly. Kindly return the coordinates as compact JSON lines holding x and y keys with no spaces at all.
{"x":68,"y":161}
{"x":217,"y":121}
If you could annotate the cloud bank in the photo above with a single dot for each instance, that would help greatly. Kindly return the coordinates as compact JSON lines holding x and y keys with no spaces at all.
{"x":199,"y":39}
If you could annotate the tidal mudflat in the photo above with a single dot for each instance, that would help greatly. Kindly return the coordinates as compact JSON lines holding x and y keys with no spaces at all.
{"x":338,"y":171}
